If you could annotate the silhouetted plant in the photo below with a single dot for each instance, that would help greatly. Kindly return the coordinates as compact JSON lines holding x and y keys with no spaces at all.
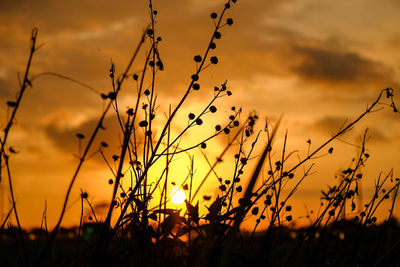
{"x":138,"y":230}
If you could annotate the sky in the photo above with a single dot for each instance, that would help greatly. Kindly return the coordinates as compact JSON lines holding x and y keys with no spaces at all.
{"x":317,"y":63}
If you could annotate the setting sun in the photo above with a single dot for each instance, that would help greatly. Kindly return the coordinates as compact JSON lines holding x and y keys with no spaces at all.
{"x":280,"y":120}
{"x":178,"y":196}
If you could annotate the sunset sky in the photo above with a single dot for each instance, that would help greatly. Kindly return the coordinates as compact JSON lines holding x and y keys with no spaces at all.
{"x":318,"y":63}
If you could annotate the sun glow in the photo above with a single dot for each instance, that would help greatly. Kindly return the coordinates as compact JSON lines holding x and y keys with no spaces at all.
{"x":178,"y":196}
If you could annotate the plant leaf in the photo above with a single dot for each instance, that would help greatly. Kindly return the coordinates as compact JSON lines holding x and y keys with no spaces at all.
{"x":193,"y":211}
{"x":214,"y":209}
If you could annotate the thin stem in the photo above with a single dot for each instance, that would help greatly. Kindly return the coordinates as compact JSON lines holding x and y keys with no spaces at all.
{"x":25,"y":83}
{"x":85,"y":153}
{"x":14,"y":204}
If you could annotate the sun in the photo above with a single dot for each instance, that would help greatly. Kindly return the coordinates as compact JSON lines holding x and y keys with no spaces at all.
{"x":178,"y":196}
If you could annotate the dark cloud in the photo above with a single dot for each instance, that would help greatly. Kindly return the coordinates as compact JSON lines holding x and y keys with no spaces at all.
{"x":5,"y":88}
{"x":57,"y":16}
{"x":248,"y":47}
{"x":330,"y":124}
{"x":377,"y":135}
{"x":62,"y":15}
{"x":66,"y":140}
{"x":336,"y":66}
{"x":333,"y":124}
{"x":80,"y":38}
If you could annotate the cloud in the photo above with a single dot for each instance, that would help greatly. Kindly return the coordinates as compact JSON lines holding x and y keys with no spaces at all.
{"x":76,"y":15}
{"x":338,"y":67}
{"x":66,"y":15}
{"x":65,"y":138}
{"x":377,"y":135}
{"x":5,"y":88}
{"x":330,"y":124}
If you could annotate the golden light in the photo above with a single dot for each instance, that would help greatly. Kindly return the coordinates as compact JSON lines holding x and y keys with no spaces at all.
{"x":178,"y":196}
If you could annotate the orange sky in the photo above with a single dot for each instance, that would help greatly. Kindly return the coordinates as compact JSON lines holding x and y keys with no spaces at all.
{"x":316,"y":62}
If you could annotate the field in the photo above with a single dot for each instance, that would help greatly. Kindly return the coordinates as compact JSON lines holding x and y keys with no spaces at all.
{"x":151,"y":219}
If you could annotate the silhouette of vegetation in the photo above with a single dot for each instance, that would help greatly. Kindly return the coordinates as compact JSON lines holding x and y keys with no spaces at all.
{"x":140,"y":227}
